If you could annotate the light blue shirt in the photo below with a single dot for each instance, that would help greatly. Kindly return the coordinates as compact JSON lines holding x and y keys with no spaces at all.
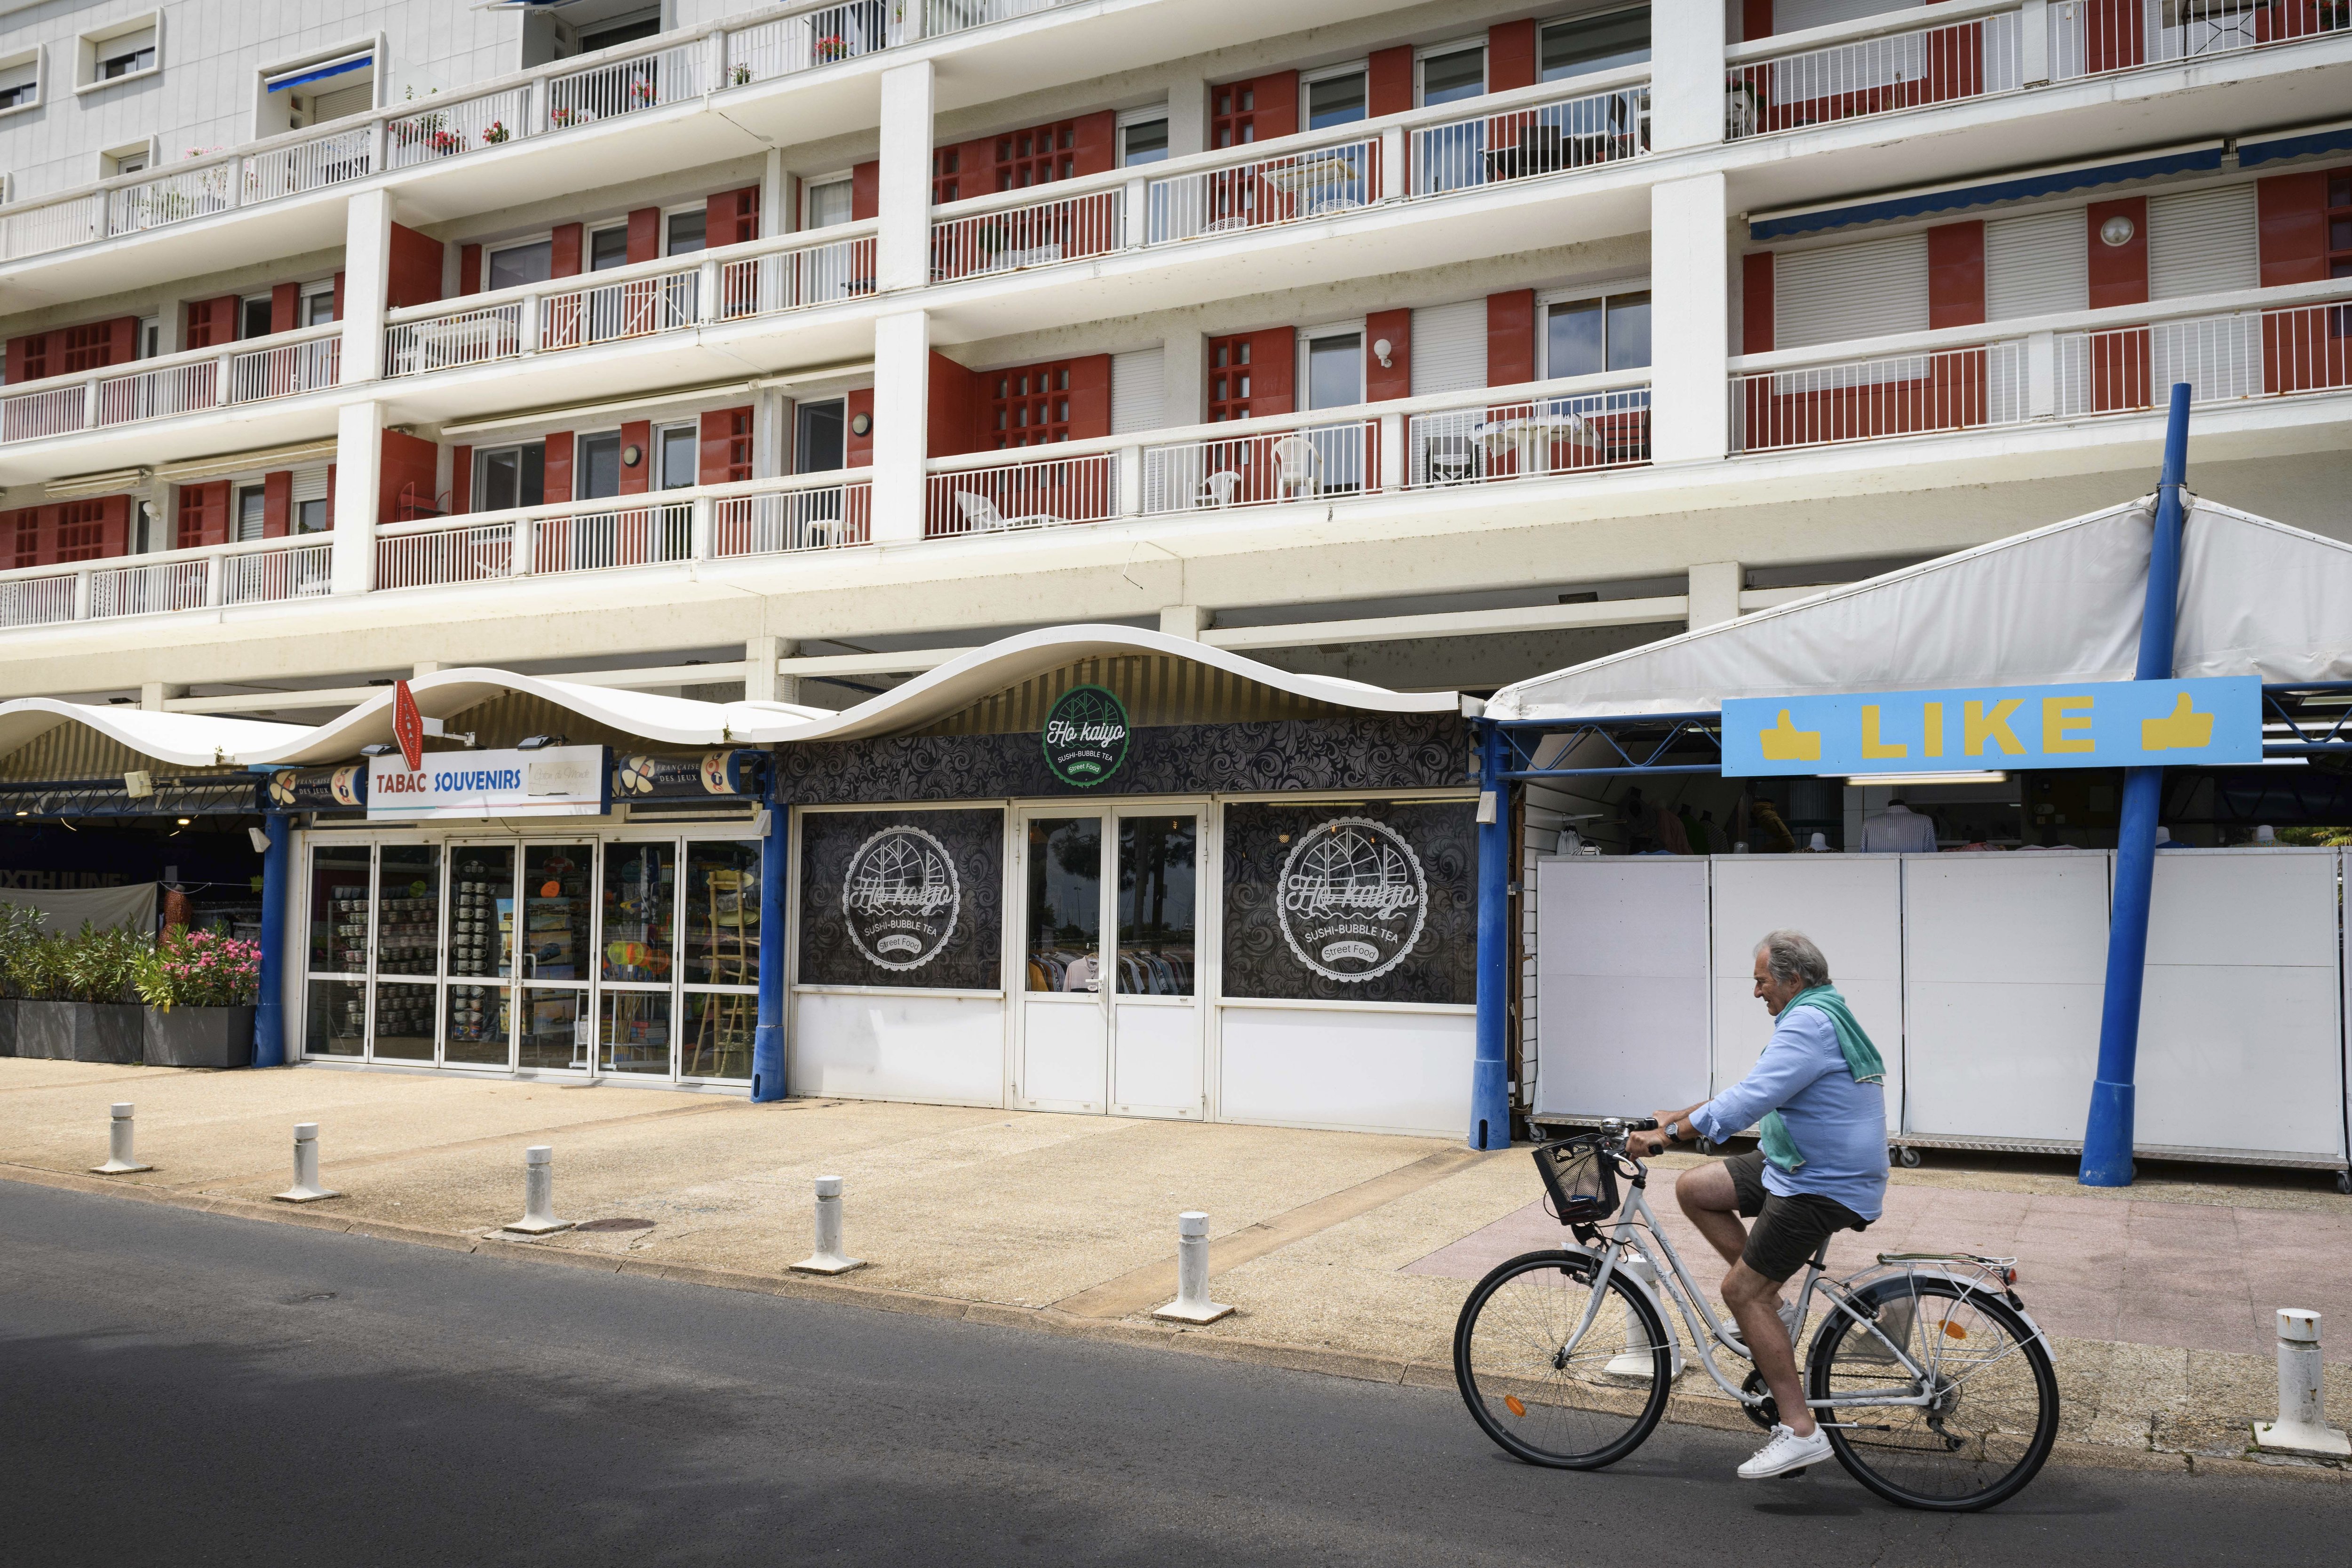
{"x":1839,"y":1125}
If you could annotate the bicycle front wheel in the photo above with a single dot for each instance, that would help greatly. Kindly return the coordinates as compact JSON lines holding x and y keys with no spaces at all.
{"x":1992,"y":1396}
{"x":1574,"y":1405}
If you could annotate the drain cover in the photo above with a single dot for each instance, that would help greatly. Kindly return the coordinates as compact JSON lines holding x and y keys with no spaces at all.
{"x":616,"y":1224}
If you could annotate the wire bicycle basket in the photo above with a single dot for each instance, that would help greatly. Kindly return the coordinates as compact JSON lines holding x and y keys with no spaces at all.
{"x":1580,"y":1178}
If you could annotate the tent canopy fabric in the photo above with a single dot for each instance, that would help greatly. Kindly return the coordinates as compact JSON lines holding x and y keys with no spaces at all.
{"x":2059,"y":604}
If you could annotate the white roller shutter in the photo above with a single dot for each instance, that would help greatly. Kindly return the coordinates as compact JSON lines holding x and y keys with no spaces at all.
{"x":1449,"y":348}
{"x":342,"y":101}
{"x":2203,"y":242}
{"x":1137,"y":381}
{"x":1866,"y":291}
{"x":310,"y":484}
{"x":2037,"y":265}
{"x":1796,"y":16}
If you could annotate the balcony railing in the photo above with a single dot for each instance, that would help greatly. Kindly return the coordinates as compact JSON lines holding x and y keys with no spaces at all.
{"x":1897,"y":64}
{"x":307,"y":360}
{"x":255,"y":573}
{"x":2230,"y":349}
{"x":1534,"y":438}
{"x":1035,"y":490}
{"x":2092,"y":38}
{"x":766,"y":517}
{"x":1038,"y":234}
{"x":1265,"y":191}
{"x":1530,"y":139}
{"x":1312,"y":460}
{"x":789,"y":273}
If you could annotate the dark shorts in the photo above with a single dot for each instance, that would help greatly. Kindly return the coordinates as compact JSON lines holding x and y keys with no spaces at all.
{"x":1786,"y":1229}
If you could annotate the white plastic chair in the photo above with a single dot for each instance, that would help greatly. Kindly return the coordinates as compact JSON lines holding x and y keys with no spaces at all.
{"x":1296,"y":465}
{"x":1218,"y":488}
{"x":980,"y":516}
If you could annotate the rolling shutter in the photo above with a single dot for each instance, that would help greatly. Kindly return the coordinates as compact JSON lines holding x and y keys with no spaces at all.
{"x":2203,"y":242}
{"x":2036,"y":265}
{"x":1796,"y":16}
{"x":342,"y":101}
{"x":1866,"y":291}
{"x":1138,"y":383}
{"x":1449,"y":347}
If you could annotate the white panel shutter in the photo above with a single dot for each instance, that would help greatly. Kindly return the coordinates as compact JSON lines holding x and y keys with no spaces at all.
{"x":1136,"y":383}
{"x":1449,"y":348}
{"x":2037,"y":265}
{"x":310,"y":484}
{"x":2203,"y":242}
{"x":1865,"y":290}
{"x":1796,"y":16}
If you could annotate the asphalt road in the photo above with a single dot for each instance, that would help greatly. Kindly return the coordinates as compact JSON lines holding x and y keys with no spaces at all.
{"x":183,"y":1388}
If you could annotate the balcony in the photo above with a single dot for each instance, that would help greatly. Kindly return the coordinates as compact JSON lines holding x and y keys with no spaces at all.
{"x":283,"y":364}
{"x":2246,"y":347}
{"x":259,"y":573}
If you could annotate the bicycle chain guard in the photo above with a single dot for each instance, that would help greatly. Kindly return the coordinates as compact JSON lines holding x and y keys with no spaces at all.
{"x":1766,"y":1414}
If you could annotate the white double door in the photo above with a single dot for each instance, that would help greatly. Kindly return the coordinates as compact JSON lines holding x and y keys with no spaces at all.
{"x":1106,"y":904}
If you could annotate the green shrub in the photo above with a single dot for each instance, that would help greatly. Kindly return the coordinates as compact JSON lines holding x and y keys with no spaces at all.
{"x":92,"y":965}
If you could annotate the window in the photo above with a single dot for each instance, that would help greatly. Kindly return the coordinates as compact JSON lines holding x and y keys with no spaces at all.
{"x":1335,"y":96}
{"x":828,"y":204}
{"x":316,"y":91}
{"x":20,"y":81}
{"x":310,"y":516}
{"x":596,"y":466}
{"x":678,"y":448}
{"x":1454,"y":75}
{"x":117,"y":52}
{"x":310,"y":499}
{"x":510,"y":477}
{"x":619,"y":30}
{"x":252,"y":508}
{"x":1143,"y":141}
{"x":131,"y":159}
{"x":1334,"y":368}
{"x":1586,"y":337}
{"x":532,"y":263}
{"x":128,"y":63}
{"x":685,"y":232}
{"x":253,"y":316}
{"x":819,"y":437}
{"x":1587,"y":44}
{"x":151,"y":337}
{"x":608,"y":247}
{"x":1029,"y":405}
{"x":318,"y":303}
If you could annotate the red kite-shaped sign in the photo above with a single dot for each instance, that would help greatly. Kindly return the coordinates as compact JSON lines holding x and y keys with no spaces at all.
{"x":407,"y":726}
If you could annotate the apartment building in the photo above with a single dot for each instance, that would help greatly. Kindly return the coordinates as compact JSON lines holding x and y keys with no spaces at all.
{"x":780,"y":354}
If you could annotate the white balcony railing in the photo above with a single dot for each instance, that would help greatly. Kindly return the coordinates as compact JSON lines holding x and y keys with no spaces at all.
{"x":629,"y":86}
{"x":1314,"y":460}
{"x":307,"y":360}
{"x":1893,"y":65}
{"x":1037,"y":233}
{"x":777,"y":522}
{"x":1035,"y":490}
{"x":253,"y":572}
{"x":789,"y":273}
{"x":1265,"y":191}
{"x":1529,"y":140}
{"x":1531,"y":438}
{"x":1871,"y":399}
{"x":2093,"y":37}
{"x":455,"y":129}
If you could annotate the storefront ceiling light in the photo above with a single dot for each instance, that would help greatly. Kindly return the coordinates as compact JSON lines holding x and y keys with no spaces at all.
{"x":1986,"y":777}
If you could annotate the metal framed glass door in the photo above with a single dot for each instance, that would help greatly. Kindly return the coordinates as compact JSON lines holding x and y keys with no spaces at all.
{"x":635,"y":958}
{"x":408,"y":946}
{"x":555,"y":958}
{"x":1155,"y":1023}
{"x":339,"y":889}
{"x":478,"y":1009}
{"x":1064,"y":1022}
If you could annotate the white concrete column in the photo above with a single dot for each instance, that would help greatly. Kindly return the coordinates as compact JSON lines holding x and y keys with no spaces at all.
{"x":777,"y":208}
{"x":1186,"y":621}
{"x":1183,"y":361}
{"x":367,"y":274}
{"x":1690,"y":281}
{"x":1686,"y":84}
{"x":153,"y":694}
{"x":903,"y":251}
{"x":1713,"y":593}
{"x":771,"y":419}
{"x":902,"y":378}
{"x":359,"y":472}
{"x":761,"y":681}
{"x":1188,"y":115}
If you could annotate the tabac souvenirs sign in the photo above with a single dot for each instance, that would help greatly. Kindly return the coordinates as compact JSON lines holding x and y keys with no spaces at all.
{"x":1086,"y":736}
{"x":558,"y":780}
{"x":2212,"y":722}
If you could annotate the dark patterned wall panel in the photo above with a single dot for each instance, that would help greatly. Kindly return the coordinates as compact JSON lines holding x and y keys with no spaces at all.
{"x":878,"y":909}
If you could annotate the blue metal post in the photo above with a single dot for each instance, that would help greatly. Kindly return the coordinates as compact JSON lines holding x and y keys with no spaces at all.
{"x":270,"y":1006}
{"x":2107,"y":1138}
{"x":1490,"y":1090}
{"x":768,"y":1043}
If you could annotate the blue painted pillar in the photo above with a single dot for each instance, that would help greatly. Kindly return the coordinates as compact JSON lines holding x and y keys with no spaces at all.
{"x":2108,"y":1137}
{"x":1490,"y":1089}
{"x":768,"y":1043}
{"x":269,"y":1007}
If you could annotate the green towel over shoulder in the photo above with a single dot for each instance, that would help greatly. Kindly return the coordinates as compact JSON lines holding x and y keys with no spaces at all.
{"x":1861,"y":1060}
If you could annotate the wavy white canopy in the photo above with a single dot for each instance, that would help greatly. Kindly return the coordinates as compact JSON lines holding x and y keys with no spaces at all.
{"x":198,"y":740}
{"x":2061,"y":602}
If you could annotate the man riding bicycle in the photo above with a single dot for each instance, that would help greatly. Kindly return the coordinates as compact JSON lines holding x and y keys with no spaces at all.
{"x":1819,"y":1167}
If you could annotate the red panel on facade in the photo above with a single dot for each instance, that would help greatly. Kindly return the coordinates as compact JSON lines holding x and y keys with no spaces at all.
{"x":1394,"y":380}
{"x":638,"y":478}
{"x":952,"y":420}
{"x":338,"y":306}
{"x":277,"y":504}
{"x":204,"y":515}
{"x":85,"y":529}
{"x":1510,"y":56}
{"x":2293,"y":211}
{"x":1956,"y":275}
{"x":723,"y":456}
{"x":461,"y":479}
{"x":415,"y":278}
{"x":1259,"y":110}
{"x":20,"y":538}
{"x":1252,"y":374}
{"x":1097,"y":142}
{"x":1388,"y":85}
{"x":732,"y":217}
{"x":1756,"y":303}
{"x":285,"y":301}
{"x":856,"y":450}
{"x":1090,"y":397}
{"x":963,"y":169}
{"x":1755,"y":20}
{"x":563,"y":251}
{"x":1511,"y":337}
{"x":209,"y":323}
{"x":2118,"y":272}
{"x":644,"y":234}
{"x":866,"y":192}
{"x":469,"y":270}
{"x":410,"y":482}
{"x":556,"y":470}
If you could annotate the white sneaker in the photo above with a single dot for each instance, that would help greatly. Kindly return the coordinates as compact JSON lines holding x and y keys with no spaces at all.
{"x":1786,"y":1452}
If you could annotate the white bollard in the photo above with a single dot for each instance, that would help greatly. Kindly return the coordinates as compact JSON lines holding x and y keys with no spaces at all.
{"x":120,"y":1160}
{"x":828,"y":1257}
{"x":2302,"y":1426}
{"x":1191,"y":1304}
{"x":538,"y":1195}
{"x":305,"y":1188}
{"x":1635,"y":1360}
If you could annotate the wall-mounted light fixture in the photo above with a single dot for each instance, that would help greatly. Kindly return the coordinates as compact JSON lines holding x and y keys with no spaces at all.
{"x":632,"y":456}
{"x":861,"y":424}
{"x":1382,"y":349}
{"x":2117,"y":230}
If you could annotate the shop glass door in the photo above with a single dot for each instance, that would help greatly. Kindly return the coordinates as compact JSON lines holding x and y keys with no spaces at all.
{"x":718,"y":961}
{"x":635,"y":958}
{"x":335,"y":994}
{"x":555,"y":957}
{"x":1065,"y":1026}
{"x":1156,"y":1009}
{"x":407,"y":944}
{"x":477,"y":1024}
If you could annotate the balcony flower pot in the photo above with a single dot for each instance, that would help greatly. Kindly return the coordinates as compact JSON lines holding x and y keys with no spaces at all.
{"x":199,"y":1037}
{"x":80,"y":1031}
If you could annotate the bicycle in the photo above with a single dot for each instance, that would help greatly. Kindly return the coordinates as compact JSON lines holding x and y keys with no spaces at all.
{"x":1934,"y":1385}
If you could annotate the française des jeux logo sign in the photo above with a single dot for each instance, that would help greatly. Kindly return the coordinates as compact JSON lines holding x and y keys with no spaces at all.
{"x":1086,"y":736}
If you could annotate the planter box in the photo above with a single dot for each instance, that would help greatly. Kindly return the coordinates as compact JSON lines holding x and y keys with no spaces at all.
{"x":200,"y":1037}
{"x":7,"y":1026}
{"x":79,"y":1031}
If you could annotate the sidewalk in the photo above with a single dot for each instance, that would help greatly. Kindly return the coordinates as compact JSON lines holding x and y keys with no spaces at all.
{"x":1346,"y":1253}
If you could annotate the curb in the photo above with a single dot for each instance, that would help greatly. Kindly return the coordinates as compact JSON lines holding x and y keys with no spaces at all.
{"x":1682,"y":1409}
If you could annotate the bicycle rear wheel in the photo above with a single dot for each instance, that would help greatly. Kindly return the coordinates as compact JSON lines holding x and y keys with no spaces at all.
{"x":1576,"y":1407}
{"x":1994,"y":1412}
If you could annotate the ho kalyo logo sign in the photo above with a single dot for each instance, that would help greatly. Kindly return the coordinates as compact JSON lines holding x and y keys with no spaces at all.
{"x":1086,"y":736}
{"x":1352,"y":899}
{"x":900,"y":898}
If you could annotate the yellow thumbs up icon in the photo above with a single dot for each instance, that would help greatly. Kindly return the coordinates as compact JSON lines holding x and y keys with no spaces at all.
{"x":2180,"y":730}
{"x":1784,"y":742}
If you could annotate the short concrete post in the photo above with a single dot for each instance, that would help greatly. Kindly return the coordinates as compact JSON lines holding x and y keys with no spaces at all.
{"x":538,"y":1195}
{"x":305,"y":1188}
{"x":2302,"y":1426}
{"x":120,"y":1160}
{"x":828,"y":1257}
{"x":1191,"y":1304}
{"x":1635,"y":1361}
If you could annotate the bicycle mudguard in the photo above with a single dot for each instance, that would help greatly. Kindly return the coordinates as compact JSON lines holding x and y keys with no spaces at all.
{"x":1968,"y":1286}
{"x":1657,"y":1301}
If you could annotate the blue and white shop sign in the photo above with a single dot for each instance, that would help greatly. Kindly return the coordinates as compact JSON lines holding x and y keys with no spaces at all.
{"x":556,"y":781}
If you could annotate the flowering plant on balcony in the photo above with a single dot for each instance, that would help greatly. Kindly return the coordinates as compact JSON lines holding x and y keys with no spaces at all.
{"x":832,"y":47}
{"x":494,"y":133}
{"x":560,"y":117}
{"x":199,"y":969}
{"x":421,"y":128}
{"x":642,"y":89}
{"x":739,"y":74}
{"x":446,"y":141}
